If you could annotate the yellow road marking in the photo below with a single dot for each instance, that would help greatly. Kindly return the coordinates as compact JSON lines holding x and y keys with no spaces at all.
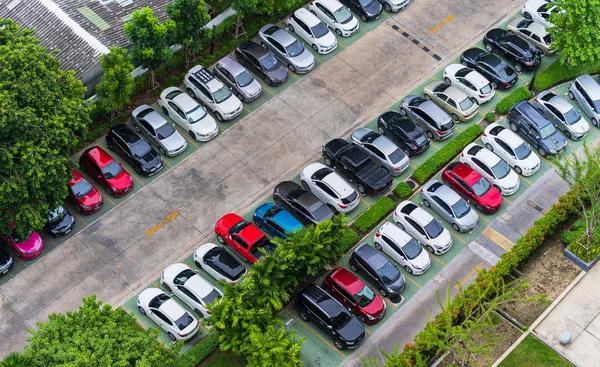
{"x":167,"y":162}
{"x":186,"y":137}
{"x":368,"y":331}
{"x":141,"y":324}
{"x":568,"y":142}
{"x":154,"y":284}
{"x":384,"y":13}
{"x":523,"y":80}
{"x":413,"y":166}
{"x":437,"y":259}
{"x":247,"y":109}
{"x":203,"y":328}
{"x":459,"y":238}
{"x":466,"y":278}
{"x":413,"y":282}
{"x":52,"y":242}
{"x":361,"y":28}
{"x":525,"y":179}
{"x":268,"y":90}
{"x":364,"y":201}
{"x":482,"y":217}
{"x":594,"y":130}
{"x":389,"y":304}
{"x":169,"y":218}
{"x":498,"y":238}
{"x":21,"y":261}
{"x":107,"y":197}
{"x":445,"y":21}
{"x":318,"y":336}
{"x":294,"y":74}
{"x":319,"y":60}
{"x":136,"y":177}
{"x":81,"y":219}
{"x":507,"y":199}
{"x":435,"y":146}
{"x":500,"y":94}
{"x":459,"y":130}
{"x":544,"y":158}
{"x":338,"y":42}
{"x":221,"y":128}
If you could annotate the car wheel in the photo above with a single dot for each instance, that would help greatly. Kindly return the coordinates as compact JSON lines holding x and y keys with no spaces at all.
{"x":257,"y":223}
{"x":138,"y":170}
{"x":489,"y":47}
{"x":427,"y":96}
{"x":198,"y":265}
{"x":339,"y":345}
{"x":162,"y":151}
{"x":172,"y":337}
{"x":498,"y":188}
{"x":403,"y":111}
{"x":291,"y":28}
{"x":455,"y":227}
{"x":268,"y":81}
{"x":167,"y":287}
{"x":513,"y":127}
{"x":220,"y":239}
{"x":426,"y":203}
{"x":494,"y":85}
{"x":292,"y":68}
{"x":430,"y":135}
{"x":192,"y":135}
{"x":378,"y":246}
{"x":314,"y":47}
{"x":219,"y":116}
{"x":479,"y":208}
{"x":199,"y":313}
{"x":526,"y":15}
{"x":408,"y":269}
{"x":328,"y":161}
{"x":387,"y":7}
{"x":383,"y":292}
{"x":338,"y":32}
{"x":363,"y":18}
{"x":519,"y":68}
{"x":594,"y":122}
{"x":305,"y":185}
{"x":142,"y":311}
{"x":361,"y":189}
{"x":568,"y":134}
{"x":165,"y":111}
{"x":353,"y":268}
{"x":400,"y":225}
{"x":489,"y":147}
{"x":240,"y":96}
{"x":191,"y":93}
{"x":361,"y":318}
{"x":430,"y":249}
{"x":542,"y":152}
{"x":303,"y":315}
{"x":571,"y":95}
{"x":455,"y":117}
{"x":518,"y":170}
{"x":447,"y":80}
{"x":380,"y":130}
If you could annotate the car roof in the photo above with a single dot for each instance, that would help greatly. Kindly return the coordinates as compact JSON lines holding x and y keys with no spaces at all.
{"x":231,"y":65}
{"x":372,"y":256}
{"x":484,"y":154}
{"x":474,"y":77}
{"x":533,"y":115}
{"x":155,"y":119}
{"x":537,"y":28}
{"x":455,"y":93}
{"x":332,"y":5}
{"x":590,"y":85}
{"x":186,"y":102}
{"x":172,"y":309}
{"x":309,"y":18}
{"x":395,"y":232}
{"x":465,"y":172}
{"x":200,"y":286}
{"x":338,"y":184}
{"x":347,"y":280}
{"x":560,"y":103}
{"x":99,"y":156}
{"x":435,"y":111}
{"x":126,"y":133}
{"x":316,"y":294}
{"x":507,"y":136}
{"x":253,"y":48}
{"x":279,"y":34}
{"x":441,"y":190}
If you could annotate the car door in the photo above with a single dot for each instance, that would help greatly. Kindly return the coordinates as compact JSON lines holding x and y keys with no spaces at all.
{"x":326,"y":15}
{"x":441,"y":100}
{"x":318,"y":317}
{"x":460,"y":186}
{"x":368,"y":270}
{"x":275,"y":229}
{"x":483,"y":168}
{"x":344,"y":169}
{"x":394,"y":251}
{"x":415,"y":229}
{"x":377,"y":154}
{"x":344,"y":297}
{"x":96,"y":172}
{"x":178,"y":115}
{"x":399,"y":137}
{"x":205,"y":95}
{"x":586,"y":101}
{"x":227,"y":78}
{"x":467,"y":85}
{"x":148,"y":131}
{"x":488,"y":72}
{"x":124,"y":151}
{"x":443,"y":209}
{"x":324,"y":192}
{"x":277,"y":48}
{"x":301,"y":211}
{"x":555,"y":116}
{"x":253,"y":63}
{"x":504,"y":150}
{"x":420,"y":118}
{"x":160,"y":318}
{"x":188,"y":297}
{"x":302,"y":30}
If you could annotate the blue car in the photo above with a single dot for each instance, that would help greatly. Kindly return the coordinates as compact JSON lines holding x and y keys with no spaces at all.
{"x":275,"y":220}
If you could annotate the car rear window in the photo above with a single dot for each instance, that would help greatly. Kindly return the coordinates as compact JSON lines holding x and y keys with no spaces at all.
{"x":396,"y":156}
{"x":212,"y":296}
{"x":350,"y":198}
{"x":184,"y":321}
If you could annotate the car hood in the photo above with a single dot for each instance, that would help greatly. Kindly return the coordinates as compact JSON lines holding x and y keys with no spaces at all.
{"x":91,"y":198}
{"x":443,"y":239}
{"x":174,"y":142}
{"x":511,"y":180}
{"x":230,"y":104}
{"x":205,"y":126}
{"x":121,"y":182}
{"x":580,"y":127}
{"x":376,"y":307}
{"x":328,"y":39}
{"x":252,"y":88}
{"x":492,"y":198}
{"x":531,"y":161}
{"x":62,"y":224}
{"x":373,"y":9}
{"x":422,"y":260}
{"x":150,"y":160}
{"x":554,"y":141}
{"x":32,"y":244}
{"x":352,"y":331}
{"x":470,"y":219}
{"x":305,"y":59}
{"x":278,"y":74}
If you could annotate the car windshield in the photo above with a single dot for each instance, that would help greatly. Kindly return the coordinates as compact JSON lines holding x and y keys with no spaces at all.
{"x":481,"y":187}
{"x":18,"y":239}
{"x":222,"y":94}
{"x":82,"y":188}
{"x":323,"y":212}
{"x":366,"y":3}
{"x":319,"y":30}
{"x":269,"y":62}
{"x":196,"y":114}
{"x":111,"y":170}
{"x":238,"y":227}
{"x":412,"y":249}
{"x":212,"y":296}
{"x":165,"y":131}
{"x":244,"y":78}
{"x":523,"y":151}
{"x":341,"y":319}
{"x":547,"y":131}
{"x":294,"y":49}
{"x":183,"y":277}
{"x":364,"y":297}
{"x":597,"y":105}
{"x":466,"y":104}
{"x":434,"y":229}
{"x":389,"y":274}
{"x":486,"y":89}
{"x":56,"y":214}
{"x":501,"y":169}
{"x":141,"y":149}
{"x":396,"y":156}
{"x":184,"y":321}
{"x":343,"y":15}
{"x":461,"y":208}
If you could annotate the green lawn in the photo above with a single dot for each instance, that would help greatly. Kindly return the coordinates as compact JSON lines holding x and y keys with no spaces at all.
{"x":222,"y":359}
{"x":533,"y":353}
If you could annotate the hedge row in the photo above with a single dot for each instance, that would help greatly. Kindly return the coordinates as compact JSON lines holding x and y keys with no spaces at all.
{"x":558,"y":73}
{"x":520,"y":94}
{"x":198,"y":352}
{"x":349,"y":238}
{"x":403,"y":191}
{"x":374,"y":214}
{"x":446,"y":154}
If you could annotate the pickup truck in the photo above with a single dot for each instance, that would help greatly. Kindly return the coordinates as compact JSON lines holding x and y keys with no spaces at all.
{"x":242,"y":236}
{"x":354,"y":163}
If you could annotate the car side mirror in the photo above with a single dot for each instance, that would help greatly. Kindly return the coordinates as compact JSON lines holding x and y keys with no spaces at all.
{"x":228,"y":237}
{"x":329,"y":327}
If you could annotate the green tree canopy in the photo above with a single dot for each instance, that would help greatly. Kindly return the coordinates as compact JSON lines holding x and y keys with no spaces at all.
{"x":43,"y":115}
{"x":116,"y":87}
{"x":576,"y":31}
{"x":96,"y":335}
{"x":265,"y":7}
{"x":190,"y":17}
{"x":16,"y":360}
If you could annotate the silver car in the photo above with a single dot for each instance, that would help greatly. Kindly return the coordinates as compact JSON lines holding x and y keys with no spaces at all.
{"x":383,"y":151}
{"x":533,"y":32}
{"x":448,"y":204}
{"x":238,"y":79}
{"x":430,"y":117}
{"x":158,"y":130}
{"x":453,"y":100}
{"x":562,"y":114}
{"x":586,"y":92}
{"x":287,"y":49}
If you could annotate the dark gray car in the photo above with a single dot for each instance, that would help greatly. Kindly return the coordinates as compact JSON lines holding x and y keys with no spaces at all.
{"x":430,"y":117}
{"x":287,"y":49}
{"x":379,"y":270}
{"x":305,"y":205}
{"x":158,"y":130}
{"x":238,"y":79}
{"x":562,"y":114}
{"x":261,"y":62}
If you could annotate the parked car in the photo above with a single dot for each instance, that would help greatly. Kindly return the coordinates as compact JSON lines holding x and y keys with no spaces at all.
{"x":510,"y":147}
{"x":533,"y":32}
{"x":5,"y":261}
{"x":453,"y":100}
{"x":158,"y":131}
{"x":449,"y":205}
{"x":243,"y":236}
{"x":524,"y":119}
{"x":238,"y":79}
{"x":328,"y":186}
{"x":219,"y":263}
{"x":379,"y":270}
{"x":306,"y":25}
{"x":382,"y":150}
{"x":402,"y":248}
{"x":470,"y":82}
{"x":367,"y":10}
{"x":490,"y":166}
{"x":305,"y":205}
{"x":430,"y":117}
{"x":261,"y":62}
{"x":393,"y":6}
{"x":202,"y":86}
{"x":108,"y":172}
{"x":168,"y":314}
{"x":354,"y":294}
{"x":407,"y":135}
{"x":500,"y":75}
{"x":83,"y":195}
{"x":586,"y":91}
{"x":26,"y":247}
{"x":539,"y":11}
{"x":473,"y":187}
{"x":188,"y":114}
{"x":59,"y":221}
{"x":520,"y":52}
{"x":287,"y":49}
{"x":275,"y":220}
{"x":330,"y":317}
{"x":354,"y":163}
{"x":423,"y":227}
{"x":124,"y":141}
{"x":562,"y":114}
{"x":190,"y":287}
{"x":336,"y":16}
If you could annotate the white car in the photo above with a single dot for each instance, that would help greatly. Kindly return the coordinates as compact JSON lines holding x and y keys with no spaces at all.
{"x":336,"y":16}
{"x":189,"y":287}
{"x":188,"y":114}
{"x":539,"y":11}
{"x":306,"y":25}
{"x":168,"y":314}
{"x":469,"y":81}
{"x":491,"y":167}
{"x":423,"y":227}
{"x":219,"y":263}
{"x":330,"y":187}
{"x":392,"y":6}
{"x":401,"y":247}
{"x":510,"y":147}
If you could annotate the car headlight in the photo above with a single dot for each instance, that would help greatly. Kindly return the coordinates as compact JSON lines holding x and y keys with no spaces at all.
{"x":370,"y":317}
{"x":553,"y":151}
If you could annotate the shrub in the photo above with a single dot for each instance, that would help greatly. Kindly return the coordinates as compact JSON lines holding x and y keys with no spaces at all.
{"x":573,"y":235}
{"x":349,"y":239}
{"x":198,"y":352}
{"x":374,"y":214}
{"x":446,"y":154}
{"x":403,"y":190}
{"x":559,"y":73}
{"x":517,"y":95}
{"x":490,"y":117}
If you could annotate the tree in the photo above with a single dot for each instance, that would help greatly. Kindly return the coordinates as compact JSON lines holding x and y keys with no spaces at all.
{"x":262,"y":7}
{"x":43,"y":115}
{"x":151,"y":41}
{"x":96,"y":335}
{"x":116,"y":87}
{"x":190,"y":17}
{"x":576,"y":31}
{"x":16,"y":360}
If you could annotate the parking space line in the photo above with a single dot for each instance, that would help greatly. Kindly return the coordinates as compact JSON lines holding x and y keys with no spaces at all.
{"x":571,"y":145}
{"x":544,"y":158}
{"x":437,"y":259}
{"x":268,"y":90}
{"x":339,"y":44}
{"x":364,"y":201}
{"x":141,"y":323}
{"x":221,"y":128}
{"x":594,"y":130}
{"x":21,"y":261}
{"x":415,"y":283}
{"x":294,"y":74}
{"x":384,"y":13}
{"x":412,"y":165}
{"x":482,"y":217}
{"x":435,"y":146}
{"x":81,"y":219}
{"x":497,"y":238}
{"x":137,"y":178}
{"x":525,"y":179}
{"x":474,"y":270}
{"x":318,"y":336}
{"x":189,"y":140}
{"x":369,"y":331}
{"x":523,"y":80}
{"x":319,"y":60}
{"x":247,"y":109}
{"x":445,"y":21}
{"x":168,"y":164}
{"x":52,"y":242}
{"x":389,"y":304}
{"x":458,"y":238}
{"x":507,"y":199}
{"x":500,"y":94}
{"x":107,"y":197}
{"x":361,"y":28}
{"x":202,"y":327}
{"x":459,"y":130}
{"x":154,"y":284}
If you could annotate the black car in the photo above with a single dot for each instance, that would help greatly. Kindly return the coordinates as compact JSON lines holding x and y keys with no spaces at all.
{"x":59,"y":222}
{"x":490,"y":66}
{"x":521,"y":53}
{"x":5,"y":261}
{"x":528,"y":122}
{"x":262,"y":62}
{"x":404,"y":133}
{"x":354,"y":163}
{"x":378,"y":269}
{"x":219,"y":263}
{"x":333,"y":319}
{"x":128,"y":144}
{"x":365,"y":9}
{"x":305,"y":205}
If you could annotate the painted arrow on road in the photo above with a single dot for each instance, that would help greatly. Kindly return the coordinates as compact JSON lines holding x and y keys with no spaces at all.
{"x":447,"y":20}
{"x":170,"y":217}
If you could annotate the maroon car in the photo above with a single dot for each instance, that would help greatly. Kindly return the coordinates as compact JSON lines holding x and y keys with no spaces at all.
{"x":106,"y":170}
{"x":83,"y":195}
{"x":469,"y":184}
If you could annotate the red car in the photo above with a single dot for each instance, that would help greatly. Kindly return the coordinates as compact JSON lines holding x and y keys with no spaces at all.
{"x":473,"y":187}
{"x":26,"y":248}
{"x":83,"y":195}
{"x":351,"y":292}
{"x":106,"y":170}
{"x":242,"y":236}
